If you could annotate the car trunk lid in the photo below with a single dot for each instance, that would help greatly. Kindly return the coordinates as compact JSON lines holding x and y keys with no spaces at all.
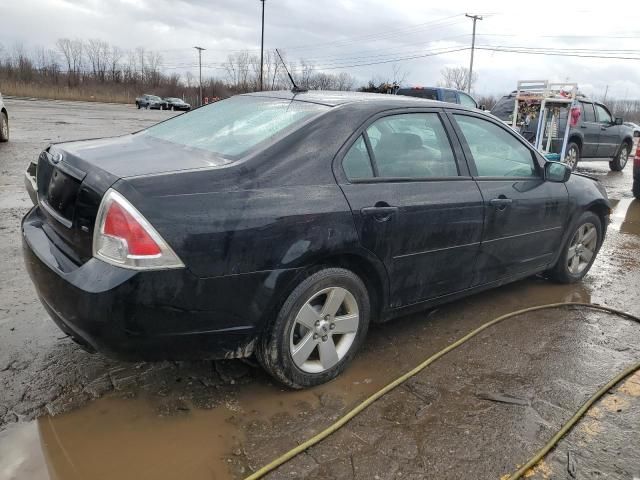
{"x":72,"y":178}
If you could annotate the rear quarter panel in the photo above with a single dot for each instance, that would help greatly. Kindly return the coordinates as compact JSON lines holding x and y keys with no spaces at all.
{"x":228,"y":233}
{"x":278,"y":209}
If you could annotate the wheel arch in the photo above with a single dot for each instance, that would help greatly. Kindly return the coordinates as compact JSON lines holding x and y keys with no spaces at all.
{"x":363,"y":263}
{"x":603,"y":211}
{"x":628,"y":140}
{"x":577,"y":139}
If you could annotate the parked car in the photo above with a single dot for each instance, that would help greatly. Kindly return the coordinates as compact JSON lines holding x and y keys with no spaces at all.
{"x":4,"y":122}
{"x":596,"y":135}
{"x":174,"y":103}
{"x":636,"y":173}
{"x":635,"y":128}
{"x":151,"y":101}
{"x":283,"y":224}
{"x":442,"y":94}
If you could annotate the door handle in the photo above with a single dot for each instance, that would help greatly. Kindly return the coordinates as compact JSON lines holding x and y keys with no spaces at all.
{"x":501,"y":202}
{"x":379,"y":213}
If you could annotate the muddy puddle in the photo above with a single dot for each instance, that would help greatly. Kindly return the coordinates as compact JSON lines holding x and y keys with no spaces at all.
{"x":116,"y":437}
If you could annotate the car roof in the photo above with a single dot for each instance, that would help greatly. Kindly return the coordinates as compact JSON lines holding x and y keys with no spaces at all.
{"x":335,"y":98}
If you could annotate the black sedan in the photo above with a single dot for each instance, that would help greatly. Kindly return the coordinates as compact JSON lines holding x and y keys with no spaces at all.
{"x":283,"y":224}
{"x":174,"y":103}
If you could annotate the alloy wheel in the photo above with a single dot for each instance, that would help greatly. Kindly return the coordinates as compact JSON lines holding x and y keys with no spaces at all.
{"x":324,"y":330}
{"x":571,"y":158}
{"x":582,"y":248}
{"x":624,"y":156}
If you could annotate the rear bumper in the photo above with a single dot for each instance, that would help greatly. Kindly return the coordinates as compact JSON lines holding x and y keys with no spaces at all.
{"x":155,"y":315}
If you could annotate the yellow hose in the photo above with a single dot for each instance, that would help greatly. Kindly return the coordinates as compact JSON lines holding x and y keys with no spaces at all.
{"x":368,"y":401}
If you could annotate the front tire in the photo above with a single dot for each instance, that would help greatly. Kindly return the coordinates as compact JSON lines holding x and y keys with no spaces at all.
{"x":580,"y":250}
{"x":4,"y":127}
{"x":318,"y":330}
{"x":572,"y":155}
{"x":620,"y":160}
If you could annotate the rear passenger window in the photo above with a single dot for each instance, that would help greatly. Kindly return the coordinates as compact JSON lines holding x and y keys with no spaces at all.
{"x":412,"y":145}
{"x":356,"y":162}
{"x":589,"y":114}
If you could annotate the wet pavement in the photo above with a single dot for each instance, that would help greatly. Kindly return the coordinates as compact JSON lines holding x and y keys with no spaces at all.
{"x":476,"y":413}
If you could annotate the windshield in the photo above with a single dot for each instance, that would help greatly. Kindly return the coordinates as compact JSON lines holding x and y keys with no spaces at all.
{"x":153,"y":97}
{"x":231,"y":128}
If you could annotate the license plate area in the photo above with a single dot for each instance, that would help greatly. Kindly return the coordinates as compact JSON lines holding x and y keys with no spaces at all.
{"x":58,"y":187}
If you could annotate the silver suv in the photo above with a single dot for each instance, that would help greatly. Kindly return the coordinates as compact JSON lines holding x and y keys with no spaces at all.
{"x":4,"y":122}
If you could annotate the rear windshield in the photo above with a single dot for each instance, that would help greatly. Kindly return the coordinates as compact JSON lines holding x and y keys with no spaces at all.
{"x":231,"y":128}
{"x":504,"y":108}
{"x":428,"y":93}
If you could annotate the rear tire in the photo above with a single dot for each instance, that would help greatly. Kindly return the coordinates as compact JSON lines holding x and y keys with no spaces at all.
{"x":580,"y":250}
{"x":620,"y":160}
{"x":572,"y":155}
{"x":4,"y":127}
{"x":318,"y":330}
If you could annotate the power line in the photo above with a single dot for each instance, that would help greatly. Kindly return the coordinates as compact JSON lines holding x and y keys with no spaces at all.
{"x":379,"y":36}
{"x":556,"y":54}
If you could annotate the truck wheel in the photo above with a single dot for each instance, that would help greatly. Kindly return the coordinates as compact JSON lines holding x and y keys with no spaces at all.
{"x":4,"y":127}
{"x":572,"y":155}
{"x":620,"y":160}
{"x":318,"y":330}
{"x":580,"y":250}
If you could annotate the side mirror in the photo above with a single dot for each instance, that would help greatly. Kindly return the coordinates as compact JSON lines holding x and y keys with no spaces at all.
{"x":618,"y":121}
{"x":556,"y":172}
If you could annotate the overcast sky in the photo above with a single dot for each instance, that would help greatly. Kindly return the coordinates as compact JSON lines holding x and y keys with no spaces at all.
{"x":337,"y":35}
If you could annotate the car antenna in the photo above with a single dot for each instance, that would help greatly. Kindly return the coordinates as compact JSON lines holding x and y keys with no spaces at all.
{"x":295,"y":89}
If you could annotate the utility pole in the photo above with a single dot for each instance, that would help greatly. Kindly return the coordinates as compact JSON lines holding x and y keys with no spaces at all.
{"x":606,"y":90}
{"x":475,"y":18}
{"x":262,"y":46}
{"x":200,"y":49}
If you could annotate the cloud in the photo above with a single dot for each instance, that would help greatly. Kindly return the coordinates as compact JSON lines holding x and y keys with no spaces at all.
{"x":345,"y":33}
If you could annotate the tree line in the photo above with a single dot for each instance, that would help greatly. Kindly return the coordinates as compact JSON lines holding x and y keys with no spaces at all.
{"x":93,"y":69}
{"x":96,"y":70}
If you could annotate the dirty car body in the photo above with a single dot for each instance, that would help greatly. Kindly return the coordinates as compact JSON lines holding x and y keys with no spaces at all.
{"x":247,"y":218}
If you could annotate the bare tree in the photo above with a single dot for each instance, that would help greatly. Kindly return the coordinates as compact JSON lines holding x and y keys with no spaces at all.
{"x":398,"y":76}
{"x":456,"y":77}
{"x":238,"y":70}
{"x":98,"y":54}
{"x":115,"y":55}
{"x":152,"y":72}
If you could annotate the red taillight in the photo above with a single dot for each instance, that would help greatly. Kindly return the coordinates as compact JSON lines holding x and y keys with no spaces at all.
{"x":123,"y":237}
{"x":120,"y":224}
